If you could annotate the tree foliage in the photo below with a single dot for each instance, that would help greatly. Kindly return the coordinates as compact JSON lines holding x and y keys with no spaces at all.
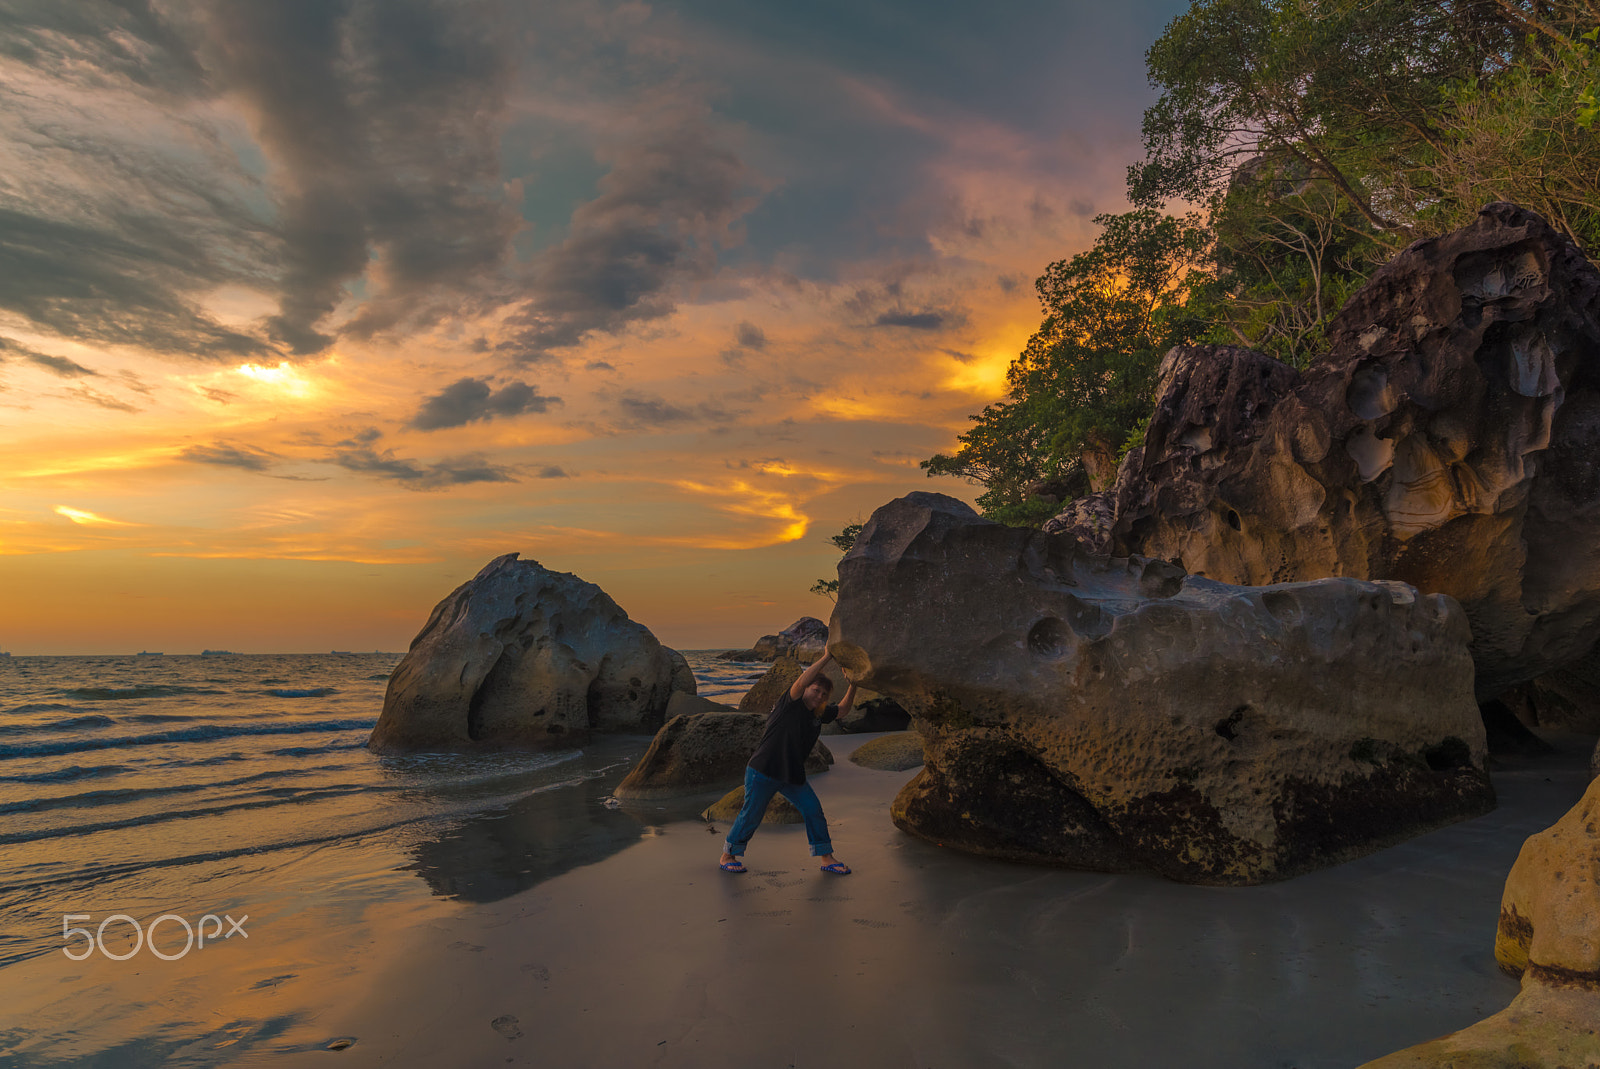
{"x":1083,"y":382}
{"x":844,"y":542}
{"x":1312,"y":139}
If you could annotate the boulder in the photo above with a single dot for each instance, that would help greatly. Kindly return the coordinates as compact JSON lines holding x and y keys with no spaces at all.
{"x":522,"y":657}
{"x":1449,"y":439}
{"x":683,"y":681}
{"x":761,"y":697}
{"x":899,"y":752}
{"x":779,"y":811}
{"x":873,"y":715}
{"x":1549,"y":936}
{"x":702,"y":752}
{"x":682,"y":704}
{"x":805,"y":639}
{"x":1566,"y":699}
{"x":1118,"y":714}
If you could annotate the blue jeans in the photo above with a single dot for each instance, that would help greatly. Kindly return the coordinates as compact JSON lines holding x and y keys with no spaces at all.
{"x":758,"y":791}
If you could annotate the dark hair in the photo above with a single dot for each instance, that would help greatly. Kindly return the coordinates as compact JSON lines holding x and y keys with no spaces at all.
{"x":827,"y":684}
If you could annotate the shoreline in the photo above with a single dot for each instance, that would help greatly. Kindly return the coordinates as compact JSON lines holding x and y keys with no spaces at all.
{"x":651,"y":956}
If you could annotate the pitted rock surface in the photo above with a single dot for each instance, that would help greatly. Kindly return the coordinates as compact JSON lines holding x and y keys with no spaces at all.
{"x":701,"y":752}
{"x":1117,"y":714}
{"x":1449,"y":439}
{"x":522,"y":657}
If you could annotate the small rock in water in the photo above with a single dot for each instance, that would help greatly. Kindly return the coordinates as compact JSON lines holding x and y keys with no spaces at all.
{"x":342,"y":1043}
{"x":611,"y":803}
{"x":506,"y":1026}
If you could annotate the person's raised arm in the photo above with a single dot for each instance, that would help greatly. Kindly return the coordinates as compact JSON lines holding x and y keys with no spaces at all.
{"x":809,"y":676}
{"x":847,"y":701}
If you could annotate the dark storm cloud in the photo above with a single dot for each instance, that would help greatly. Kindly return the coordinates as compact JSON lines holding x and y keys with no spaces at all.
{"x":103,"y":400}
{"x":652,"y":411}
{"x":912,"y":320}
{"x":750,"y":336}
{"x":60,"y":365}
{"x":640,"y":411}
{"x":468,"y":400}
{"x":379,"y":121}
{"x":668,"y":199}
{"x":357,"y":454}
{"x":229,"y":456}
{"x":387,"y":130}
{"x":554,"y":472}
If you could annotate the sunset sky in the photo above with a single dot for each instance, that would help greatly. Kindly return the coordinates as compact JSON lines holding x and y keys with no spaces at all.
{"x":309,"y":308}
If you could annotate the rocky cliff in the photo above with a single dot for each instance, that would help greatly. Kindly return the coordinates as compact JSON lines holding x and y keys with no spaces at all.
{"x":1119,"y":714}
{"x":1449,"y":439}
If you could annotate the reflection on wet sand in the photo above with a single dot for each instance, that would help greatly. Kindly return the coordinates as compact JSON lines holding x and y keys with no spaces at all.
{"x":555,"y":829}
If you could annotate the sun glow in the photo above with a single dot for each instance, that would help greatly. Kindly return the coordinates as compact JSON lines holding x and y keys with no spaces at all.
{"x":285,"y":378}
{"x":88,"y":519}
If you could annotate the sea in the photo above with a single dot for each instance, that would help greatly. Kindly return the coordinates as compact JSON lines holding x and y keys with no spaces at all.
{"x":240,"y":784}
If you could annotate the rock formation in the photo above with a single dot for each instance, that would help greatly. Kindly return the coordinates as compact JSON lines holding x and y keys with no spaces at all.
{"x":702,"y":752}
{"x":779,"y":811}
{"x":1450,"y":439}
{"x":761,"y":697}
{"x":1566,"y":699}
{"x":871,"y":711}
{"x":522,"y":657}
{"x":1549,"y":936}
{"x":899,"y":752}
{"x":805,"y":639}
{"x":1117,"y":714}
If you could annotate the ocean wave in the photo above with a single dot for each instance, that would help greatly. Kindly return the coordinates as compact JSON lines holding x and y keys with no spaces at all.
{"x":379,"y":675}
{"x":76,"y":723}
{"x":41,"y":707}
{"x":286,"y":797}
{"x":310,"y":751}
{"x":141,"y":690}
{"x":309,"y":692}
{"x":204,"y":732}
{"x":159,"y":718}
{"x":62,"y":774}
{"x":118,"y":795}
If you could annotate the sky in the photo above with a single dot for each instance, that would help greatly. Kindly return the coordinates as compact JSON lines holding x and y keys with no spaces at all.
{"x":311,"y":308}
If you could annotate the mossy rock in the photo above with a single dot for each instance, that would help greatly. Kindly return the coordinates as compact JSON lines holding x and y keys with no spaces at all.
{"x":779,"y":811}
{"x":892,"y":753}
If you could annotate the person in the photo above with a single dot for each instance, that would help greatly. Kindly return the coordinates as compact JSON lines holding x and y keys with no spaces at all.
{"x":779,"y":766}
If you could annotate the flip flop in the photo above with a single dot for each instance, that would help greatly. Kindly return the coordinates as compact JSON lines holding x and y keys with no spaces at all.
{"x":838,"y":868}
{"x":733,"y":866}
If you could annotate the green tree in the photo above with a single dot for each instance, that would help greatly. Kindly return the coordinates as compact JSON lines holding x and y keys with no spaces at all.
{"x":844,"y":541}
{"x":1084,"y":381}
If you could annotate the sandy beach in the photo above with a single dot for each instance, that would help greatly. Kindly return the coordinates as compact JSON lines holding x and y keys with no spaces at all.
{"x":647,"y":955}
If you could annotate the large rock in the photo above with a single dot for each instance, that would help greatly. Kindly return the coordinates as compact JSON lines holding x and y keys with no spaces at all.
{"x":779,"y":811}
{"x":1549,"y":936}
{"x":805,"y":639}
{"x":897,"y":752}
{"x":522,"y":657}
{"x":1450,"y":439}
{"x":1566,"y":699}
{"x":1116,"y":714}
{"x":766,"y":691}
{"x":702,"y":752}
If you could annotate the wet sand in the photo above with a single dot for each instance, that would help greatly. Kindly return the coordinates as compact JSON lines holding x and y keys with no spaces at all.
{"x":930,"y":959}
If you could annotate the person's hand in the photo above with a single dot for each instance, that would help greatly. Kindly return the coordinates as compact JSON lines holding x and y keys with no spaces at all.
{"x":826,"y":656}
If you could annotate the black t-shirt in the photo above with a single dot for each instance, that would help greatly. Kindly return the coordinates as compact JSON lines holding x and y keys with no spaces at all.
{"x":791,"y":732}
